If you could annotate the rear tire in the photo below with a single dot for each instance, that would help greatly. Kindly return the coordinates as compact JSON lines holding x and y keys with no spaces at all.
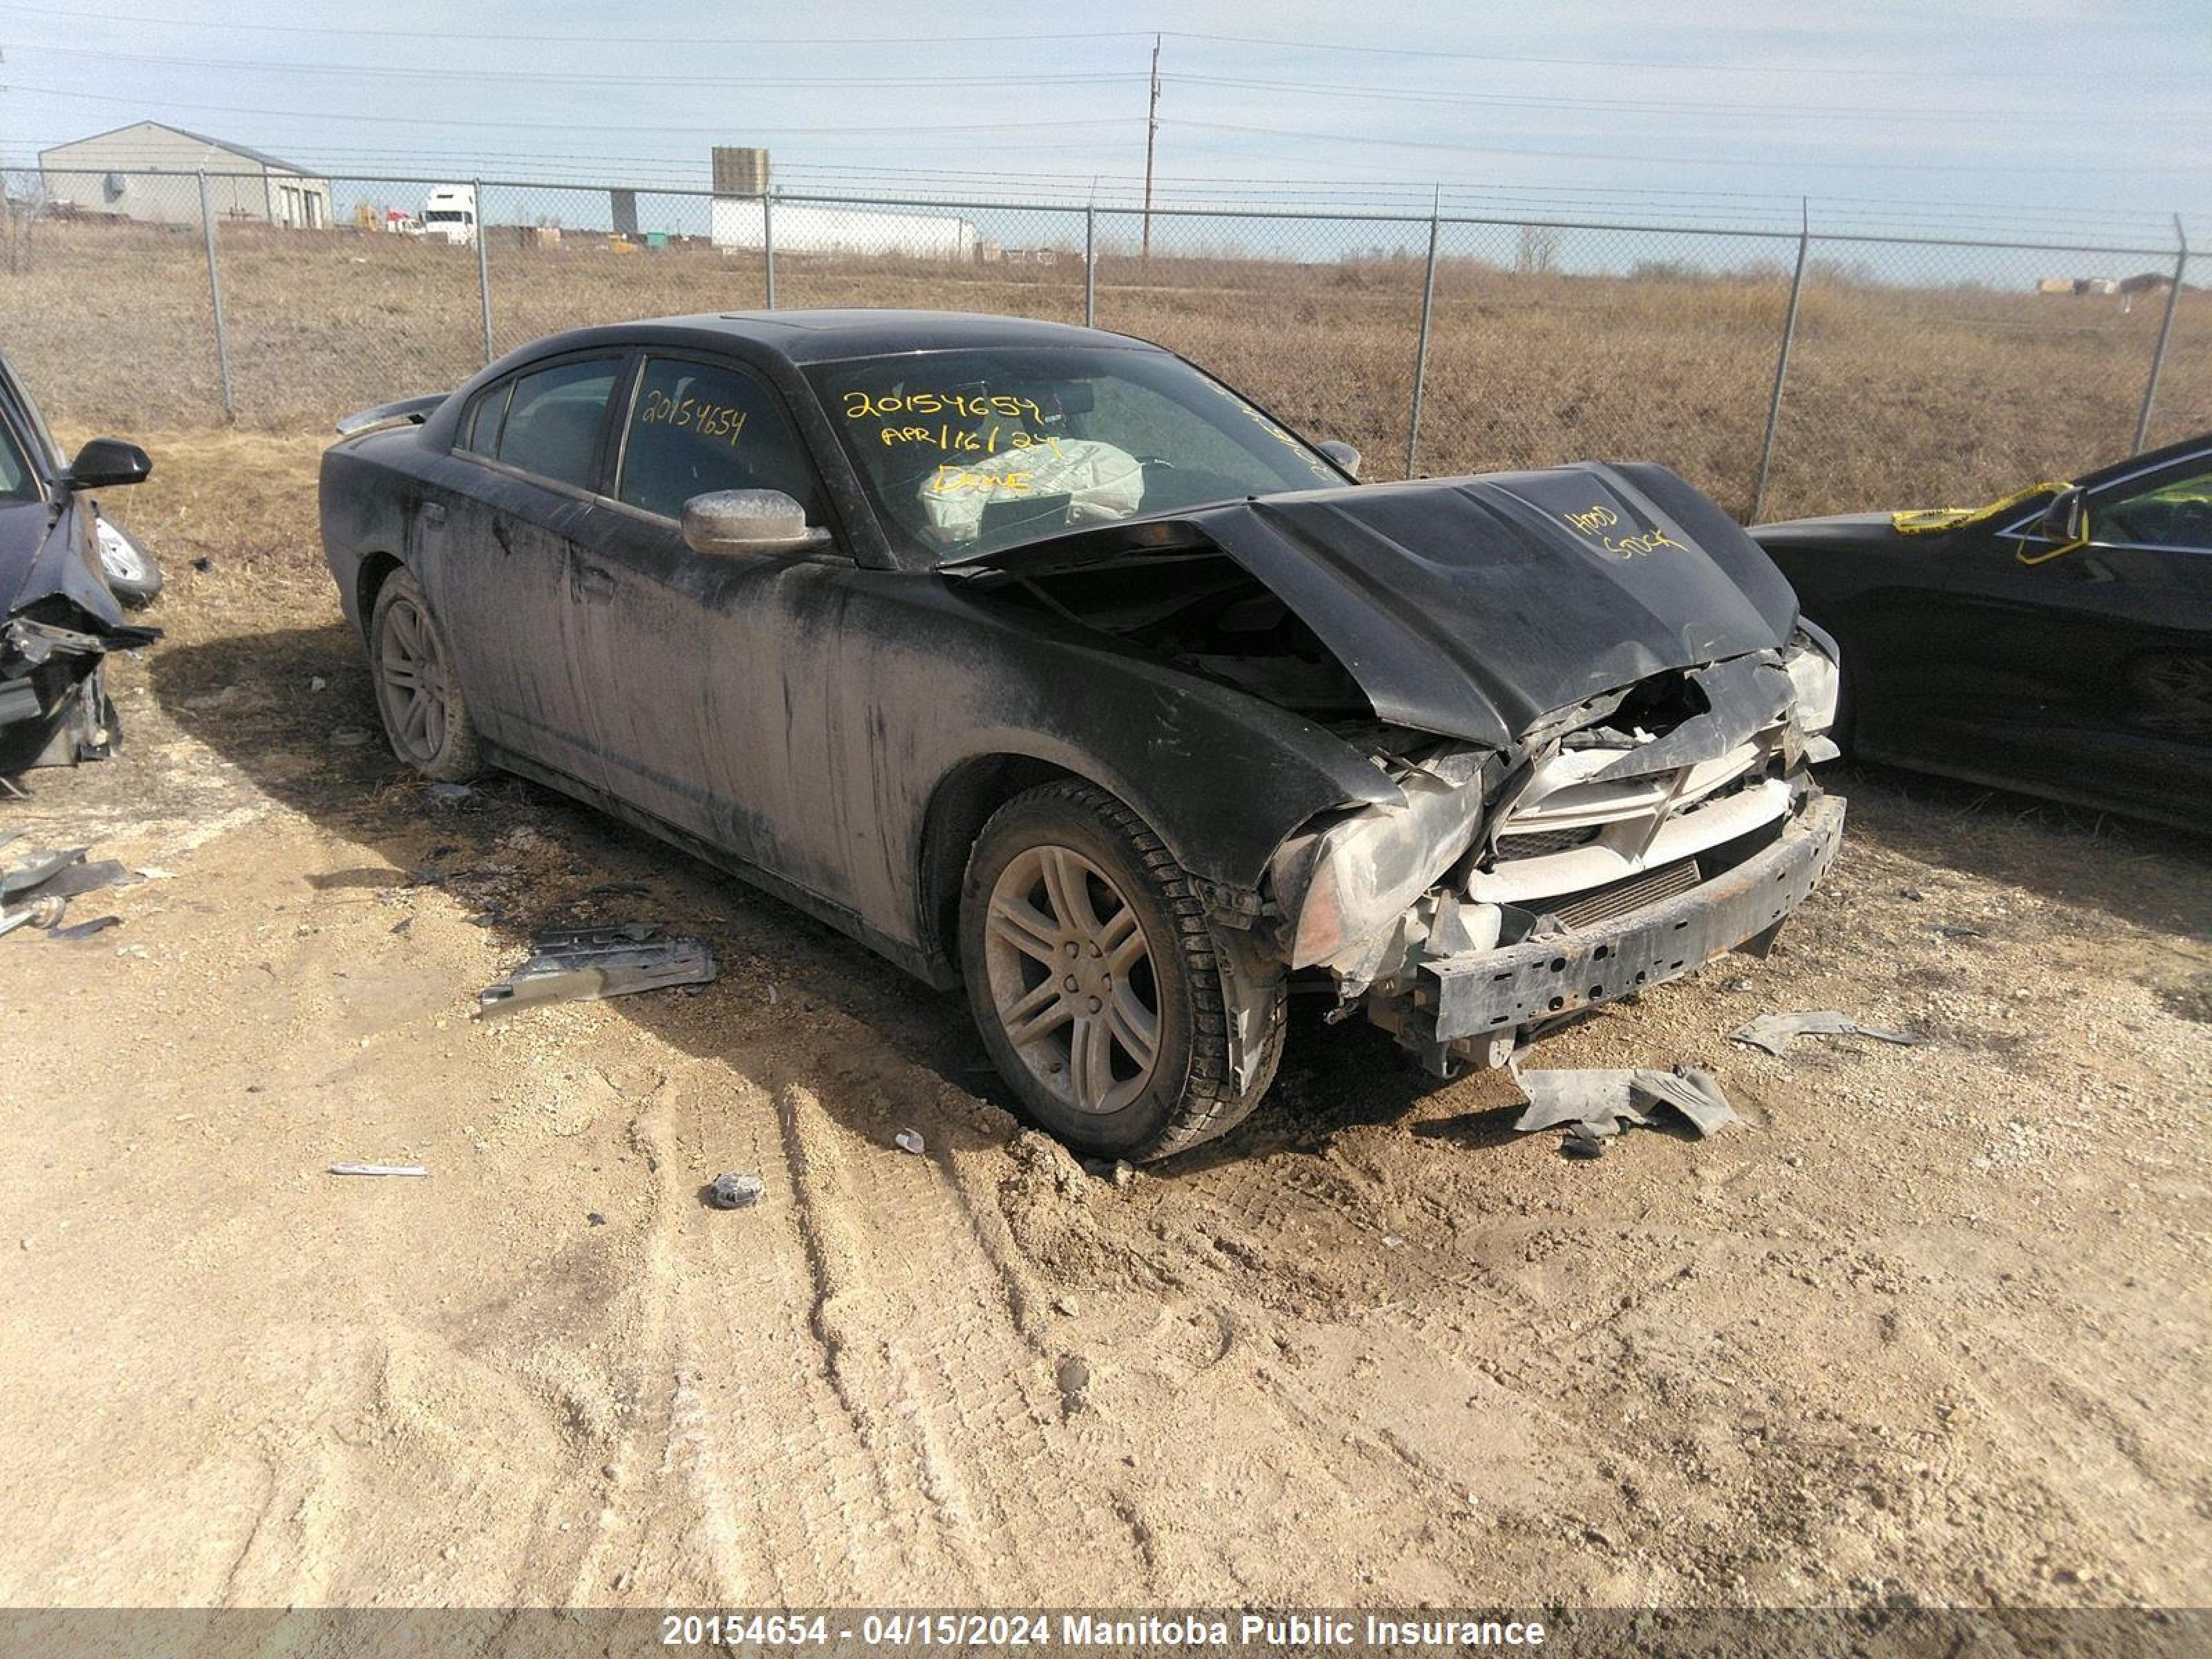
{"x":1095,"y":979}
{"x":426,"y":720}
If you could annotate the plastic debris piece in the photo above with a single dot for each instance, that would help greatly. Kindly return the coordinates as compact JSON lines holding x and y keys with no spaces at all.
{"x":910,"y":1140}
{"x":449,"y":794}
{"x":377,"y":1170}
{"x":1774,"y":1032}
{"x":584,"y":964}
{"x":85,"y":929}
{"x":1596,"y":1102}
{"x":736,"y":1192}
{"x":350,"y":736}
{"x":75,"y":878}
{"x":1580,"y":1143}
{"x":37,"y":871}
{"x":1692,"y":1092}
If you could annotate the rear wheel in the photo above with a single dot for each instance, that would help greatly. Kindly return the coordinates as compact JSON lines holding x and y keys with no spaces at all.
{"x":424,"y":715}
{"x":1094,"y":977}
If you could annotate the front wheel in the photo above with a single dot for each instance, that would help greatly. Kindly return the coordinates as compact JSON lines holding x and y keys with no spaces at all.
{"x":1095,"y":980}
{"x":132,"y":575}
{"x":416,"y":692}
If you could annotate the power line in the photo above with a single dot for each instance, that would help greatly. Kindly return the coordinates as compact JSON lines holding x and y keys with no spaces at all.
{"x":2036,"y":74}
{"x":581,"y":77}
{"x":902,"y":129}
{"x":1665,"y":161}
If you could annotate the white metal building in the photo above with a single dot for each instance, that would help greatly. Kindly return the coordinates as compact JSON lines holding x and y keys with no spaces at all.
{"x":144,"y":171}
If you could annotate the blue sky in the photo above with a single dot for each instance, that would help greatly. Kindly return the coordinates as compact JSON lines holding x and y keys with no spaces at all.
{"x":2066,"y":115}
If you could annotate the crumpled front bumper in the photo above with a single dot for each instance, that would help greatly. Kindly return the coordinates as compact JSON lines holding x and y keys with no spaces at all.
{"x":1468,"y":1000}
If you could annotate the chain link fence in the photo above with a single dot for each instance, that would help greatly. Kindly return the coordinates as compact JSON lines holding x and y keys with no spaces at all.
{"x":1784,"y":372}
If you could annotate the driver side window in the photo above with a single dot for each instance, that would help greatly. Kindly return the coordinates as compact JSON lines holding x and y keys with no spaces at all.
{"x":2175,"y":511}
{"x":695,"y":428}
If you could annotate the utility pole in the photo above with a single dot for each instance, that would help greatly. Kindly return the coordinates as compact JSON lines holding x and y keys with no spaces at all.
{"x":1151,"y":133}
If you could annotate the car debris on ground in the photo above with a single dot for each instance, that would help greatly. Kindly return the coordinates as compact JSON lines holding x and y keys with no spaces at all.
{"x":377,"y":1170}
{"x":1774,"y":1032}
{"x":736,"y":1191}
{"x":1594,"y":1103}
{"x":584,"y":964}
{"x":36,"y":892}
{"x":911,"y":1140}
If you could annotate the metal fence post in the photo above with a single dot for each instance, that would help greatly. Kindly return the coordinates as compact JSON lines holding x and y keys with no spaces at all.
{"x":2164,"y":332}
{"x":768,"y":241}
{"x":483,"y":270}
{"x":215,"y":299}
{"x":1421,"y":351}
{"x":1782,"y":363}
{"x":1091,"y":265}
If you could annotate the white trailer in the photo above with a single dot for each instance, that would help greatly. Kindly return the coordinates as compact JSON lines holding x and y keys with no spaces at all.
{"x":806,"y":227}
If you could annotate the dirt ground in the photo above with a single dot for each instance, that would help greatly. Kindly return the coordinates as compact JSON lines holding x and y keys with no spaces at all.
{"x":1929,"y":1329}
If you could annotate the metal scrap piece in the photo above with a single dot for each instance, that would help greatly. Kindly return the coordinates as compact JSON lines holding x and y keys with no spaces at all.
{"x":584,"y":964}
{"x":1773,"y":1032}
{"x":378,"y":1170}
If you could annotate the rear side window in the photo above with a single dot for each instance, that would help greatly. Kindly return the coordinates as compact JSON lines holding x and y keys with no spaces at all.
{"x":555,"y":419}
{"x":480,"y":431}
{"x":694,"y":428}
{"x":17,"y":482}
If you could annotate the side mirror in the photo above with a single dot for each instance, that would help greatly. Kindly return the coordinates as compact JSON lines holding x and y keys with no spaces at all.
{"x":2066,"y":520}
{"x":108,"y":463}
{"x":726,"y":521}
{"x":1342,"y":453}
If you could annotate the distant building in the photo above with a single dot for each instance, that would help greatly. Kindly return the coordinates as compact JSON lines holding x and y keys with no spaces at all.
{"x":141,"y":171}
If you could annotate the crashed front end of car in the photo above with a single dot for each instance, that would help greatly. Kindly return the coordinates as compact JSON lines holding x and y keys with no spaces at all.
{"x":1589,"y":691}
{"x":61,"y":623}
{"x":1623,"y":841}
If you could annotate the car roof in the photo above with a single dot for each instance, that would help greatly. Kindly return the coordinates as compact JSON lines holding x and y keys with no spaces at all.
{"x":815,"y":336}
{"x":2148,"y":461}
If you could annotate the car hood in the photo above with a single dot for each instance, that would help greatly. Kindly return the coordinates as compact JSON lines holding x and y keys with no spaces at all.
{"x":1473,"y":607}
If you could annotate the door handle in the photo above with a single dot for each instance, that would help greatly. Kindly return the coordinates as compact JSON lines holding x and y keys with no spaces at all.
{"x":434,"y":513}
{"x":592,"y":582}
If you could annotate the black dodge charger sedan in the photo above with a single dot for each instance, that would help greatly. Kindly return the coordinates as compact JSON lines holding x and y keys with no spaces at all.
{"x":1037,"y":658}
{"x":2057,"y":641}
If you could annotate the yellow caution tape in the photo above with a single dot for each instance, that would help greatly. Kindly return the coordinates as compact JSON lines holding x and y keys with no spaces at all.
{"x":1933,"y":521}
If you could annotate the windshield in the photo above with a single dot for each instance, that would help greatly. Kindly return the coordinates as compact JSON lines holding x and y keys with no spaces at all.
{"x":964,"y":453}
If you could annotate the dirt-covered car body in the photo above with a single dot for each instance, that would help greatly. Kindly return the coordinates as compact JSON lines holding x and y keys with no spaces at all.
{"x":1338,"y":706}
{"x":59,"y":616}
{"x":2057,"y":640}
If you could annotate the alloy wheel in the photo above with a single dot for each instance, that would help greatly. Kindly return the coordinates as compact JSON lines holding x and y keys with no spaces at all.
{"x":410,"y":681}
{"x":1070,"y":977}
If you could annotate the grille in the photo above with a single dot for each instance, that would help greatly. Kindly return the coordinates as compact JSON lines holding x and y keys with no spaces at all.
{"x":1617,"y":898}
{"x":1535,"y":843}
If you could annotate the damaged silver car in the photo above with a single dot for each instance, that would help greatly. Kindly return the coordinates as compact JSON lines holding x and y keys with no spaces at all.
{"x":1040,"y":661}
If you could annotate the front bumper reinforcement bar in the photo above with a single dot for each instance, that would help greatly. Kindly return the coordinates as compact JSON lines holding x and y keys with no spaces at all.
{"x":1468,"y":1000}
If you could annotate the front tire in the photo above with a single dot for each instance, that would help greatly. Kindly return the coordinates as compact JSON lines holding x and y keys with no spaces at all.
{"x":426,"y":719}
{"x":1095,"y":980}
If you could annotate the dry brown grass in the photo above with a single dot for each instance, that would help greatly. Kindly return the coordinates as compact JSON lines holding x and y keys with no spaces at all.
{"x":1897,"y":395}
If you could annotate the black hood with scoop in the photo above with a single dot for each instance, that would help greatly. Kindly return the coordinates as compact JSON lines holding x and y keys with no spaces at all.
{"x":1472,"y":607}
